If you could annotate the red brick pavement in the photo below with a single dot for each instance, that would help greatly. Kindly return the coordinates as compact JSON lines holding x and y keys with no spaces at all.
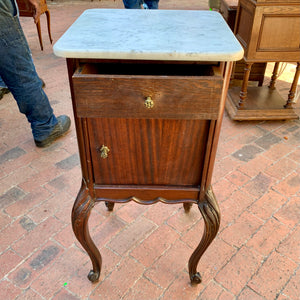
{"x":256,"y":254}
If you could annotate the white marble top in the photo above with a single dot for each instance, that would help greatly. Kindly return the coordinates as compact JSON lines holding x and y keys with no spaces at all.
{"x":150,"y":35}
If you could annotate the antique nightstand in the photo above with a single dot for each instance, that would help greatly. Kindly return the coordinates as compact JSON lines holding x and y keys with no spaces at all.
{"x":148,"y":103}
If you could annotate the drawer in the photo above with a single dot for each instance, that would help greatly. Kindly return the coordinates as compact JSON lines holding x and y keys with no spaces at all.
{"x":168,"y":91}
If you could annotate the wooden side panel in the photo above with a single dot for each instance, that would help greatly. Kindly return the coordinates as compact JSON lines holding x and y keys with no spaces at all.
{"x":244,"y":22}
{"x":148,"y":151}
{"x":279,"y":33}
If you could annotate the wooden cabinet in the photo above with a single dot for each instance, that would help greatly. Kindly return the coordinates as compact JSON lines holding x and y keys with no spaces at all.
{"x":269,"y":31}
{"x":228,"y":9}
{"x":148,"y":123}
{"x":25,"y":10}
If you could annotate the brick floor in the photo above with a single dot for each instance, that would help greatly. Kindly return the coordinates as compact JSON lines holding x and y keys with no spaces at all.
{"x":256,"y":254}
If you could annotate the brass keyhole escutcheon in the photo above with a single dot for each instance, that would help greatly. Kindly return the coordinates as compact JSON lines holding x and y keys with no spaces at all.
{"x":104,"y":151}
{"x":149,"y":102}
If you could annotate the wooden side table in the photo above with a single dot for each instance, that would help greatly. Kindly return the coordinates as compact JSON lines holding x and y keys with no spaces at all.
{"x":25,"y":11}
{"x":269,"y":31}
{"x":148,"y":108}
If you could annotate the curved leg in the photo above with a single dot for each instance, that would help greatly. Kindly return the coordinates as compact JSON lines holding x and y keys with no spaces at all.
{"x":47,"y":12}
{"x":187,"y":206}
{"x":209,"y":209}
{"x":80,"y":215}
{"x":109,"y":205}
{"x":38,"y":27}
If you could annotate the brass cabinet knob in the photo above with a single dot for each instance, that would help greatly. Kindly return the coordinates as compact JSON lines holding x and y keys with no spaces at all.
{"x":149,"y":102}
{"x":104,"y":151}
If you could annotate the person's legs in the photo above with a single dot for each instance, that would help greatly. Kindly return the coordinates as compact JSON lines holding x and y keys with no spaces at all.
{"x":2,"y":84}
{"x":18,"y":73}
{"x":152,"y":4}
{"x":3,"y":88}
{"x":132,"y":4}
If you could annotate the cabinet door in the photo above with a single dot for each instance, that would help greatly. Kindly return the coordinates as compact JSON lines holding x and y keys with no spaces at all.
{"x":148,"y":151}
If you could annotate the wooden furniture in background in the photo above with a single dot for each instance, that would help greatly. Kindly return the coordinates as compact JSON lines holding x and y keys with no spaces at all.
{"x":26,"y":11}
{"x":269,"y":31}
{"x":148,"y":108}
{"x":228,"y":9}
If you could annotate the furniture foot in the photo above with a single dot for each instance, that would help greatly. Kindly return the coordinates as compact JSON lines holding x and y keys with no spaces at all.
{"x":187,"y":207}
{"x":80,"y":215}
{"x":93,"y":276}
{"x":109,"y":205}
{"x":196,"y":278}
{"x":209,"y":209}
{"x":293,"y":88}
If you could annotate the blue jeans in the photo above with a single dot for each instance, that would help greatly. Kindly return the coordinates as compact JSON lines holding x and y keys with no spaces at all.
{"x":19,"y":75}
{"x":2,"y":84}
{"x":152,"y":4}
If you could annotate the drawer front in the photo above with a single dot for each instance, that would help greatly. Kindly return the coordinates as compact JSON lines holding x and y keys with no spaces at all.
{"x":169,"y":97}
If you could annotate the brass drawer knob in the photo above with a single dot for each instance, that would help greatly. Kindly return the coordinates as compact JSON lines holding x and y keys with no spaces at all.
{"x":104,"y":151}
{"x":149,"y":102}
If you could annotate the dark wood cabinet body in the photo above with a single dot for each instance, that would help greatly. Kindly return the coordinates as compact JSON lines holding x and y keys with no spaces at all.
{"x":160,"y":153}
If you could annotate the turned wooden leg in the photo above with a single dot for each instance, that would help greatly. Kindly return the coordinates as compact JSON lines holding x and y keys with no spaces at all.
{"x":274,"y":76}
{"x":209,"y":209}
{"x":109,"y":205}
{"x":243,"y":92}
{"x":47,"y":12}
{"x":293,"y":88}
{"x":80,"y":215}
{"x":38,"y":27}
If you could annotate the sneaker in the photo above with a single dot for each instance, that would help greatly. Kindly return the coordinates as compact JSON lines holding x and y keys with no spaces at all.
{"x":3,"y":91}
{"x":59,"y":130}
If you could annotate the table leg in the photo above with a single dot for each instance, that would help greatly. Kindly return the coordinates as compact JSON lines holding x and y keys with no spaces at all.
{"x":274,"y":76}
{"x":210,"y":211}
{"x":47,"y":12}
{"x":38,"y":27}
{"x":243,"y":92}
{"x":109,"y":205}
{"x":80,"y":215}
{"x":187,"y":206}
{"x":293,"y":88}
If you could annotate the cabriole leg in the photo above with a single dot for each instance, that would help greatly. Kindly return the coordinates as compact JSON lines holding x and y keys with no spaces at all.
{"x":187,"y":207}
{"x":209,"y":209}
{"x":80,"y":216}
{"x":109,"y":205}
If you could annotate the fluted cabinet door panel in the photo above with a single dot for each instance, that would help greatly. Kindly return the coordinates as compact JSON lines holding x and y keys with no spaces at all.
{"x":148,"y":151}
